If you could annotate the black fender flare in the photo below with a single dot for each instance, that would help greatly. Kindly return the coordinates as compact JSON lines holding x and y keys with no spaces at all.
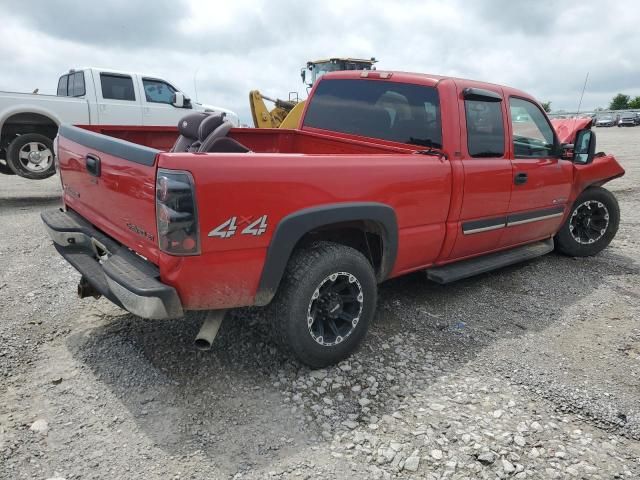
{"x":294,"y":226}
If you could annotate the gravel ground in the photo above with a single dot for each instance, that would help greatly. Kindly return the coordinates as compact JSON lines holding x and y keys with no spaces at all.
{"x":529,"y":372}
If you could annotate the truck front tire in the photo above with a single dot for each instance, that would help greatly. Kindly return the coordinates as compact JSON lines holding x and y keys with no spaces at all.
{"x":325,"y":302}
{"x":591,"y":225}
{"x":31,"y":156}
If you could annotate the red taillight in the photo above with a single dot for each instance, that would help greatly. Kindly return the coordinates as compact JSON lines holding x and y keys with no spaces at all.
{"x":188,"y":243}
{"x":176,"y":213}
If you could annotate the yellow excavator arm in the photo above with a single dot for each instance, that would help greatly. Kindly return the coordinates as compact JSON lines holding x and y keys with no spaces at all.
{"x":292,"y":120}
{"x":274,"y":118}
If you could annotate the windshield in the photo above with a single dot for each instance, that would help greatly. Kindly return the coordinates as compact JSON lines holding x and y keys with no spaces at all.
{"x":320,"y":69}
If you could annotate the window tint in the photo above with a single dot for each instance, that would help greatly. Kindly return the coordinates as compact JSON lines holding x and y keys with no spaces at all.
{"x":393,"y":111}
{"x":157,"y":91}
{"x":485,"y":128}
{"x":62,"y":86}
{"x":71,"y":84}
{"x":78,"y":85}
{"x":117,"y":87}
{"x":532,"y":134}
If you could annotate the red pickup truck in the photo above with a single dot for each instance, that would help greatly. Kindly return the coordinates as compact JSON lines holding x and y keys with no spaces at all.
{"x":388,"y":173}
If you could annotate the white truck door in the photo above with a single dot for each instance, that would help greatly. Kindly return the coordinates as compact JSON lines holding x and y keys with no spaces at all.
{"x":91,"y":94}
{"x":157,"y":103}
{"x":118,"y":100}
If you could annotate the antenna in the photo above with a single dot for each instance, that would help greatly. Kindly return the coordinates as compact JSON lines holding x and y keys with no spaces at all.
{"x":584,"y":87}
{"x":195,"y":86}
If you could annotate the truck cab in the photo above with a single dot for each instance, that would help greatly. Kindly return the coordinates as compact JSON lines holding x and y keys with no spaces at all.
{"x":126,"y":98}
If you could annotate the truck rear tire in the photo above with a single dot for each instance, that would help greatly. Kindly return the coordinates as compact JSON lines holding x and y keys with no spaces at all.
{"x":591,"y":225}
{"x":325,"y":302}
{"x":31,"y":156}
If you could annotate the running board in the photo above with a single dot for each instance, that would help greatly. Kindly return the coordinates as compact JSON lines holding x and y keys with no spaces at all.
{"x":486,"y":263}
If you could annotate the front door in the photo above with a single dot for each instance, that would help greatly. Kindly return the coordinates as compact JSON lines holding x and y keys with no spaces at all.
{"x":487,"y":171}
{"x":158,"y":103}
{"x":541,"y":180}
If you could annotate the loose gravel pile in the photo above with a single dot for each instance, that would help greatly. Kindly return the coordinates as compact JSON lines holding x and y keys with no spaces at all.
{"x":530,"y":372}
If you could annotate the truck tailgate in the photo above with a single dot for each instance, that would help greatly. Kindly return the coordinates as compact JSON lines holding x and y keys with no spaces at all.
{"x":111,"y":183}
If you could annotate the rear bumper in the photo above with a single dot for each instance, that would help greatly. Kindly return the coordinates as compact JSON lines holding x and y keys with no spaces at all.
{"x":114,"y":271}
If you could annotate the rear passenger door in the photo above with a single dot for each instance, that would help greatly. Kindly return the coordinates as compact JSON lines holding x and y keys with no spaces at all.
{"x":541,"y":180}
{"x":118,"y":100}
{"x":487,"y":170}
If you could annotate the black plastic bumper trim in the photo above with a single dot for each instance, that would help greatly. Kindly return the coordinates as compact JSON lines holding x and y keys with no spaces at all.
{"x":137,"y":288}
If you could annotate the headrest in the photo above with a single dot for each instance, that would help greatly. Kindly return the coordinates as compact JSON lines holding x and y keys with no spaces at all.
{"x":209,"y":124}
{"x":189,"y":124}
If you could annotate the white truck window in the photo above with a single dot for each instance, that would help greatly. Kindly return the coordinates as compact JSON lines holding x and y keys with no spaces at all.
{"x":71,"y":85}
{"x":62,"y":85}
{"x":117,"y":87}
{"x":157,"y":91}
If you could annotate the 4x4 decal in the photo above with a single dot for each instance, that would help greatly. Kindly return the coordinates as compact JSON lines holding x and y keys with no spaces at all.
{"x":229,"y":227}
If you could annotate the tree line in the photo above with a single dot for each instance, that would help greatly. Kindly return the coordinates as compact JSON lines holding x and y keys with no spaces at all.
{"x":624,"y":102}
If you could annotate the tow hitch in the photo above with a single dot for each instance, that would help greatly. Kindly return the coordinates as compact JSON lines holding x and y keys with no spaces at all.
{"x":85,"y":289}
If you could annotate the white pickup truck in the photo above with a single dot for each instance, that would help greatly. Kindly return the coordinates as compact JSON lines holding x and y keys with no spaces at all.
{"x":88,"y":96}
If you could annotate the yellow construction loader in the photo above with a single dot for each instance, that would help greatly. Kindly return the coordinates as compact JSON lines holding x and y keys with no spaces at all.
{"x":287,"y":113}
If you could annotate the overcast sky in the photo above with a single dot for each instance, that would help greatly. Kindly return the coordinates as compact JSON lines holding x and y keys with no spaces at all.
{"x":544,"y":47}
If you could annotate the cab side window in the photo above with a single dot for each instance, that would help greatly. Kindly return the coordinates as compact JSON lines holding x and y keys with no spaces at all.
{"x":117,"y":87}
{"x":485,"y":128}
{"x":156,"y":91}
{"x":532,"y":135}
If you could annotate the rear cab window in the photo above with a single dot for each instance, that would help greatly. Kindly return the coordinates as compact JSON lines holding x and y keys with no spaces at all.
{"x":533,"y":136}
{"x":71,"y":85}
{"x":62,"y":85}
{"x":398,"y":112}
{"x":117,"y":87}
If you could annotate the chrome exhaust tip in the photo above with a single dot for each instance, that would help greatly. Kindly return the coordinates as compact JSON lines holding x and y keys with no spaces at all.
{"x":209,"y":330}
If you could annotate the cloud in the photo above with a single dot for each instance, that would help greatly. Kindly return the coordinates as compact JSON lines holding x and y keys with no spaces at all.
{"x":113,"y":23}
{"x":543,"y":47}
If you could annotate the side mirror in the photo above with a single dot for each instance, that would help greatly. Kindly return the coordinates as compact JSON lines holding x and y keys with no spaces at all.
{"x":585,"y":147}
{"x":178,"y":100}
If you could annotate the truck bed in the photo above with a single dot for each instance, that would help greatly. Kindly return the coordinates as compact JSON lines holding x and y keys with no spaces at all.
{"x":258,"y":140}
{"x":73,"y":110}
